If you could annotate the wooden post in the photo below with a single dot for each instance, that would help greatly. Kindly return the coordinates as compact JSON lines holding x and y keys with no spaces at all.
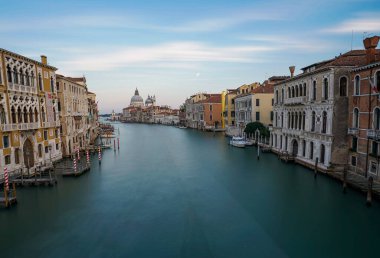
{"x":316,"y":168}
{"x":14,"y":190}
{"x":114,"y":145}
{"x":369,"y":192}
{"x":118,"y":143}
{"x":344,"y":180}
{"x":258,"y":152}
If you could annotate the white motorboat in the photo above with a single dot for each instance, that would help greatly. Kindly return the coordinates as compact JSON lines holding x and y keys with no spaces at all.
{"x":182,"y":127}
{"x":238,"y":142}
{"x":250,"y":142}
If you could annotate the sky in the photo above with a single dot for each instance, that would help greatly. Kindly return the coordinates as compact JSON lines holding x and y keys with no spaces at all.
{"x":173,"y":49}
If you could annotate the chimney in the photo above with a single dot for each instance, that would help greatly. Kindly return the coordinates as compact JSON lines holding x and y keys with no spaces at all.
{"x":370,"y":45}
{"x":44,"y":59}
{"x":291,"y":69}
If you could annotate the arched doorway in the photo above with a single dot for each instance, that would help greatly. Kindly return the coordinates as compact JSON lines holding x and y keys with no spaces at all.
{"x":28,"y":154}
{"x":295,"y":148}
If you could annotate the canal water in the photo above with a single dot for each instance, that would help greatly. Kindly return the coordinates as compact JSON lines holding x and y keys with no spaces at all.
{"x":171,"y":192}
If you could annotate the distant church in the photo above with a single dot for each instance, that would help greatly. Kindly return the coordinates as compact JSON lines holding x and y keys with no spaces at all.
{"x":137,"y":100}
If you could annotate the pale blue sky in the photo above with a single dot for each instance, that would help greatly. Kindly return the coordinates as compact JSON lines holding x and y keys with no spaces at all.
{"x":176,"y":48}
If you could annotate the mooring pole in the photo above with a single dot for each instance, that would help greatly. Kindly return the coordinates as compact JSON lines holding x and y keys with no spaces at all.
{"x":114,"y":145}
{"x":369,"y":193}
{"x":118,"y":143}
{"x":316,"y":168}
{"x":100,"y":155}
{"x":258,"y":151}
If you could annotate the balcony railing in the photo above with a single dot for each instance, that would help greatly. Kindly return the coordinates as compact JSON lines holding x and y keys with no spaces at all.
{"x":295,"y":101}
{"x":292,"y":131}
{"x":353,"y":131}
{"x":23,"y":88}
{"x":373,"y":134}
{"x":51,"y":124}
{"x":22,"y":126}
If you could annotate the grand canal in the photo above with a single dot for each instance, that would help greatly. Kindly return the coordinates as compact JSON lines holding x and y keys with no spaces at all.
{"x":182,"y":193}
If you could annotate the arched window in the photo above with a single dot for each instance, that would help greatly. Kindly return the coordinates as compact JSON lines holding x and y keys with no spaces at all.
{"x":9,"y":74}
{"x":355,"y":118}
{"x":40,"y":82}
{"x":314,"y":95}
{"x":54,"y":114}
{"x":377,"y":78}
{"x":311,"y":156}
{"x":51,"y":83}
{"x":303,"y":120}
{"x":282,"y":119}
{"x":13,"y":113}
{"x":32,"y":79}
{"x":276,"y":97}
{"x":288,"y":120}
{"x":30,"y":115}
{"x":3,"y":119}
{"x":19,"y":115}
{"x":304,"y":89}
{"x":296,"y":90}
{"x":293,"y":118}
{"x":282,"y":95}
{"x":324,"y":122}
{"x":27,"y":79}
{"x":299,"y":121}
{"x":301,"y":91}
{"x":357,"y":85}
{"x":15,"y":76}
{"x":296,"y":120}
{"x":343,"y":87}
{"x":43,"y":115}
{"x":25,"y":113}
{"x":313,"y":121}
{"x":293,"y":93}
{"x":322,"y":156}
{"x":326,"y":88}
{"x":289,"y":93}
{"x":376,"y":119}
{"x":22,"y":81}
{"x":35,"y":115}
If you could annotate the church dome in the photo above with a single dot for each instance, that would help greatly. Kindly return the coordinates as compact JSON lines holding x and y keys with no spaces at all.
{"x":137,"y":100}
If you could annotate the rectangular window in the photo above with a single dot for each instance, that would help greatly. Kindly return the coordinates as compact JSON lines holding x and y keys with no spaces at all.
{"x":354,"y":143}
{"x":272,"y":102}
{"x":232,"y":113}
{"x":353,"y":161}
{"x":210,"y":107}
{"x":257,"y":116}
{"x":46,"y":149}
{"x":375,"y":148}
{"x":7,"y":160}
{"x":271,"y":116}
{"x":258,"y":102}
{"x":56,"y":133}
{"x":57,"y":86}
{"x":5,"y":141}
{"x":45,"y":135}
{"x":373,"y":167}
{"x":57,"y":146}
{"x":210,"y":117}
{"x":40,"y":150}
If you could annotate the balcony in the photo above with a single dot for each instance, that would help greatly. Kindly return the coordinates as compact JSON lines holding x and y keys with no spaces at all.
{"x":295,"y":101}
{"x":22,"y":126}
{"x":373,"y":134}
{"x":292,"y":131}
{"x":353,"y":131}
{"x":50,"y":124}
{"x":22,"y":88}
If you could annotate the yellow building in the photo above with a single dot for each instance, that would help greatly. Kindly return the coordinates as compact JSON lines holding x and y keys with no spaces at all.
{"x":29,"y":131}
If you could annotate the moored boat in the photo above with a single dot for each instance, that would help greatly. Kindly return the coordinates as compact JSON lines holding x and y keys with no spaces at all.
{"x":238,"y":142}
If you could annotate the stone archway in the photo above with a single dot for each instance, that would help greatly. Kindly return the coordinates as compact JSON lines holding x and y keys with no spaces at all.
{"x":28,"y":152}
{"x":295,"y":148}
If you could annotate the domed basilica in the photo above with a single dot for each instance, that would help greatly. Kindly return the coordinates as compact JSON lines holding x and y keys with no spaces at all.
{"x":137,"y":100}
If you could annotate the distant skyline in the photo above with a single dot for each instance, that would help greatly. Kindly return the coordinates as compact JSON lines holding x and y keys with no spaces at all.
{"x":172,"y":49}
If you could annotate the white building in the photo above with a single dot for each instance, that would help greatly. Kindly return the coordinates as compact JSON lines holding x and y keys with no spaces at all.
{"x":310,"y":115}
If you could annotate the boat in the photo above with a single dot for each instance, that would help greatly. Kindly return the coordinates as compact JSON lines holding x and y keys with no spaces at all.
{"x":250,"y":142}
{"x":238,"y":142}
{"x":182,"y":127}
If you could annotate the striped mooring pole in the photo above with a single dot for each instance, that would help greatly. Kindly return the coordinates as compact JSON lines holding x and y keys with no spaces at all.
{"x":6,"y":179}
{"x":78,"y":153}
{"x":88,"y":157}
{"x":100,"y":155}
{"x":75,"y":165}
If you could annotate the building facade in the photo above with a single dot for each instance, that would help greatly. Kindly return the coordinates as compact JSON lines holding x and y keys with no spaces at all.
{"x":363,"y":88}
{"x":73,"y":109}
{"x":29,"y":113}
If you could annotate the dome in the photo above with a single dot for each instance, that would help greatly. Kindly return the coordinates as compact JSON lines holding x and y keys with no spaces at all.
{"x":137,"y":100}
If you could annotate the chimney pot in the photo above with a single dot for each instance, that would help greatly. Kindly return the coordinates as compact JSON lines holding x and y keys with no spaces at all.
{"x":291,"y":69}
{"x":44,"y":59}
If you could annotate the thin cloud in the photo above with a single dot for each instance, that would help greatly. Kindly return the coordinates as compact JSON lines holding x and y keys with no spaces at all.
{"x":365,"y":22}
{"x":169,"y":55}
